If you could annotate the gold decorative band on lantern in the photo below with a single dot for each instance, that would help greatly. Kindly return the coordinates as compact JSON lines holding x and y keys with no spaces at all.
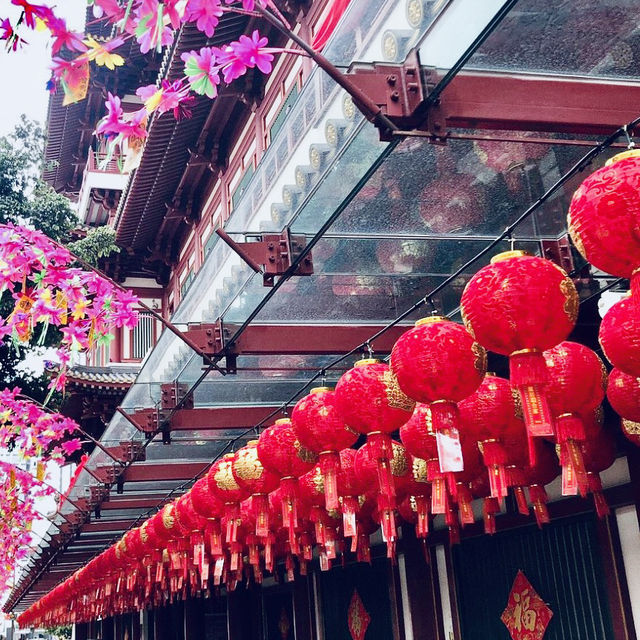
{"x":431,"y":319}
{"x":507,"y":255}
{"x":629,"y":153}
{"x":283,"y":421}
{"x":523,"y":351}
{"x":320,"y":389}
{"x":365,"y":361}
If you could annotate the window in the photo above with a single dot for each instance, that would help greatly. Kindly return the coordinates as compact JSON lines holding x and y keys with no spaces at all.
{"x":143,"y":336}
{"x":287,"y":105}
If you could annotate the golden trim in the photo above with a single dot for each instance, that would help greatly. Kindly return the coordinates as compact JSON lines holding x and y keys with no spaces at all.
{"x":523,"y":351}
{"x":629,"y":153}
{"x":366,"y":361}
{"x":283,"y":421}
{"x":431,"y":320}
{"x":320,"y":389}
{"x":507,"y":255}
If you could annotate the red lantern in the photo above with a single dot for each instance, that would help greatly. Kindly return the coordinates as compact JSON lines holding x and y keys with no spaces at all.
{"x":320,"y":428}
{"x":452,"y":203}
{"x":371,"y":402}
{"x":520,"y":306}
{"x":366,"y":469}
{"x":438,"y":363}
{"x":620,"y":336}
{"x":577,"y":386}
{"x":206,"y":505}
{"x":488,"y":417}
{"x":418,"y":437}
{"x":251,"y":476}
{"x":604,"y":216}
{"x":281,"y":452}
{"x":223,"y":485}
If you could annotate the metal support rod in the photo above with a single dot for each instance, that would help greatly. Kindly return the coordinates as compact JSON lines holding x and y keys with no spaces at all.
{"x":158,"y":316}
{"x":237,"y":247}
{"x":367,"y":106}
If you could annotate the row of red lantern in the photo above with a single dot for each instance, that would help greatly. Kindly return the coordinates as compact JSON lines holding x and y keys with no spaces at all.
{"x":518,"y":306}
{"x":212,"y":532}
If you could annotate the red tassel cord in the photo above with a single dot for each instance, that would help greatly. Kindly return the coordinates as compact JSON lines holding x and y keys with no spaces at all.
{"x":445,"y":420}
{"x":539,"y":498}
{"x":350,"y":507}
{"x":329,"y":466}
{"x":387,"y":524}
{"x":569,"y":433}
{"x":490,"y":507}
{"x":260,"y":508}
{"x":289,"y":489}
{"x":231,"y":516}
{"x":495,"y":458}
{"x":213,"y":533}
{"x":439,"y":494}
{"x":382,"y":452}
{"x":422,"y":511}
{"x":464,"y":504}
{"x":528,"y":373}
{"x":516,"y":479}
{"x":595,"y":486}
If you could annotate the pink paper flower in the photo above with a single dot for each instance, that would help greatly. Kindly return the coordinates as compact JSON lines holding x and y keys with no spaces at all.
{"x":205,"y":13}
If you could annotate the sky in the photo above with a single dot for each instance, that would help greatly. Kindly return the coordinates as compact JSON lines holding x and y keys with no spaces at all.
{"x":24,"y":74}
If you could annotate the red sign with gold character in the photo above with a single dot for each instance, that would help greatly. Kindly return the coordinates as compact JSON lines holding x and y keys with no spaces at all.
{"x":359,"y":619}
{"x":526,"y":615}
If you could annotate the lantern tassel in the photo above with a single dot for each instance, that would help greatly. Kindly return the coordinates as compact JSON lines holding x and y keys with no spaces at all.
{"x":538,"y":496}
{"x":350,"y":508}
{"x":260,"y":506}
{"x":490,"y":507}
{"x":329,"y":466}
{"x":439,"y":495}
{"x":422,"y":510}
{"x":382,"y":453}
{"x":464,"y":505}
{"x":495,"y":458}
{"x":445,"y":420}
{"x":289,"y":510}
{"x":528,"y":373}
{"x":595,"y":486}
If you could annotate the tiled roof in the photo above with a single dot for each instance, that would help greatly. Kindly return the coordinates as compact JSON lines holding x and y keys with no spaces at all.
{"x":119,"y":376}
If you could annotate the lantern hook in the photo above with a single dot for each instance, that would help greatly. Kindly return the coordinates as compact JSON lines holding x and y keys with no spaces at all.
{"x":369,"y":348}
{"x":432,"y":304}
{"x":630,"y":143}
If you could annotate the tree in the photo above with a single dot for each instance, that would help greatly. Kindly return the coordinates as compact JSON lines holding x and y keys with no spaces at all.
{"x":25,"y":199}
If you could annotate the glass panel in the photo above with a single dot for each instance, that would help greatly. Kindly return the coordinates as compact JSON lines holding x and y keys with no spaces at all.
{"x":581,"y":37}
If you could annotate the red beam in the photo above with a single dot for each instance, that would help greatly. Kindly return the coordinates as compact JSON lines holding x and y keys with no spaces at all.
{"x":538,"y":103}
{"x":147,"y":502}
{"x":220,"y":417}
{"x":310,"y":339}
{"x":157,"y":471}
{"x":100,"y":526}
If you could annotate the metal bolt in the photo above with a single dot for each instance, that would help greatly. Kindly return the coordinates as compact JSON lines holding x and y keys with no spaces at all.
{"x":392,"y":79}
{"x":395,"y":96}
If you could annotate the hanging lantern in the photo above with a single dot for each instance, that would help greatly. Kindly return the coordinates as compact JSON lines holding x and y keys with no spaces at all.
{"x":438,"y":363}
{"x":280,"y":452}
{"x":251,"y":476}
{"x":519,"y":306}
{"x":366,"y":469}
{"x":419,"y":496}
{"x":320,"y":428}
{"x":206,"y":505}
{"x":577,"y":386}
{"x":488,"y":417}
{"x":620,"y":335}
{"x":604,"y":216}
{"x":371,"y":402}
{"x":223,"y":485}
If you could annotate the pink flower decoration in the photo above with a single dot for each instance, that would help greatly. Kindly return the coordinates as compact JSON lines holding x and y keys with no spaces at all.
{"x":246,"y":53}
{"x":205,"y":13}
{"x":202,"y":70}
